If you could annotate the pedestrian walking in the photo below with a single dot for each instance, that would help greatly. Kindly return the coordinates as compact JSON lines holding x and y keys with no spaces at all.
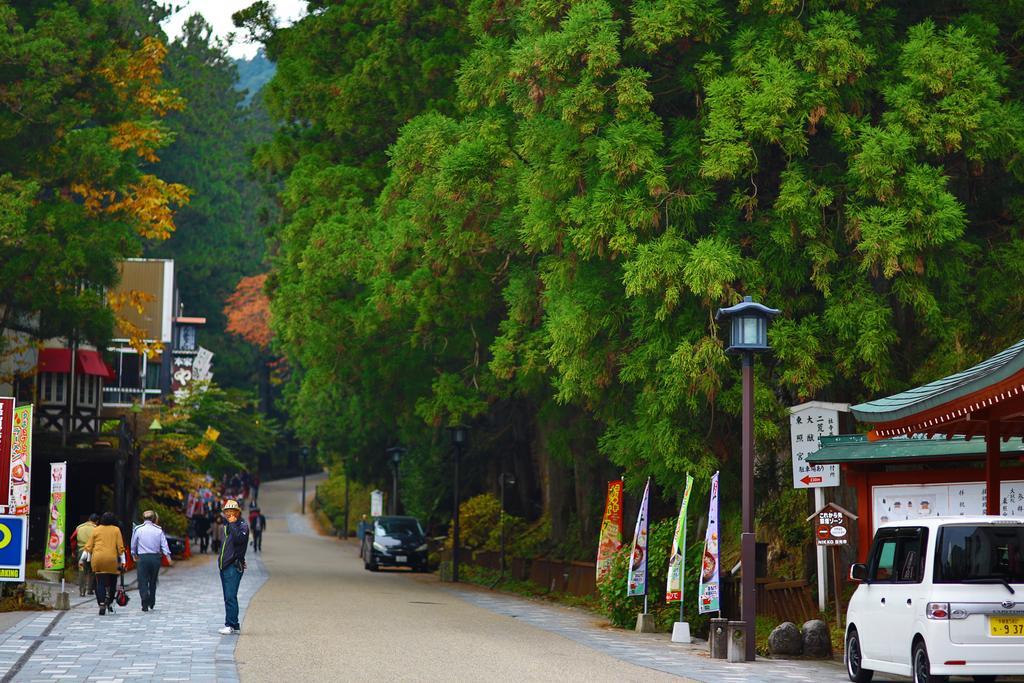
{"x":255,"y":488}
{"x":86,"y":578}
{"x":231,"y":563}
{"x":257,"y":523}
{"x":203,"y":532}
{"x":105,"y":550}
{"x":216,"y":533}
{"x":149,"y":546}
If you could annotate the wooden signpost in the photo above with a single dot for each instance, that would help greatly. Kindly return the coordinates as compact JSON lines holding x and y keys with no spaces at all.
{"x":832,"y":529}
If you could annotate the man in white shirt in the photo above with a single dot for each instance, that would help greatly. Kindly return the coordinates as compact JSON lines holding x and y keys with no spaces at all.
{"x":149,"y":545}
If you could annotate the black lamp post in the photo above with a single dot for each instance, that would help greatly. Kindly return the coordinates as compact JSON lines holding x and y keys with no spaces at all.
{"x":504,"y":479}
{"x":459,"y":436}
{"x":748,"y":335}
{"x":305,"y":454}
{"x":395,"y":454}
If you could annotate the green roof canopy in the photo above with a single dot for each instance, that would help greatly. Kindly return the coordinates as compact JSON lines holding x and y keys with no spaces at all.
{"x":857,"y":448}
{"x":899,"y":406}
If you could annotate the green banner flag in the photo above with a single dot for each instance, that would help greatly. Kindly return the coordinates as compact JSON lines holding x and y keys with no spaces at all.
{"x":54,"y":558}
{"x":677,"y":560}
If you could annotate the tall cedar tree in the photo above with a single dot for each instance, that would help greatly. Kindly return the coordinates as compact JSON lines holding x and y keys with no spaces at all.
{"x":220,"y":236}
{"x":561,"y":215}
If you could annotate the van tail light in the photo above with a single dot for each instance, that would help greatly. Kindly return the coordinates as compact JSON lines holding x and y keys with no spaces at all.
{"x":938,"y":610}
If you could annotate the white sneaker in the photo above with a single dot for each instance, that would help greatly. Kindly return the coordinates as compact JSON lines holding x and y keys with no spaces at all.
{"x":227,"y":631}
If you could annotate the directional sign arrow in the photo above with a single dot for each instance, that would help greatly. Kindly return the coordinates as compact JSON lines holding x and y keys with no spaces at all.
{"x":808,"y":479}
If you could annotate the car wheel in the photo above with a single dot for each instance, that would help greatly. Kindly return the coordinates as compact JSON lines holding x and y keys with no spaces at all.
{"x":853,"y":658}
{"x":922,"y":669}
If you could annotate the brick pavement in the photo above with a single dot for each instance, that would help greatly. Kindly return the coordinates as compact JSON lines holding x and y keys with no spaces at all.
{"x":655,"y":651}
{"x":178,"y":641}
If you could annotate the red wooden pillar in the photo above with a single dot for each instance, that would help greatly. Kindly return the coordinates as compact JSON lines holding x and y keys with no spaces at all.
{"x":993,"y":433}
{"x":859,"y":479}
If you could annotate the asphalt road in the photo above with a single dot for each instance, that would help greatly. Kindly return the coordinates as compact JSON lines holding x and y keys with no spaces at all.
{"x":322,"y":617}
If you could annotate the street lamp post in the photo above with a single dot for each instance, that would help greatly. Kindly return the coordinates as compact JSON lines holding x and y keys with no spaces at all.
{"x":748,"y":335}
{"x":504,"y":479}
{"x":395,"y":454}
{"x":305,"y":454}
{"x":459,"y":436}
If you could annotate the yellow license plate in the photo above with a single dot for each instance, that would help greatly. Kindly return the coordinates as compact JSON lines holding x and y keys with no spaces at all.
{"x":1006,"y":626}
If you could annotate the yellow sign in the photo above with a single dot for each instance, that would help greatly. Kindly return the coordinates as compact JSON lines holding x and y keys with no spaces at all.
{"x":1006,"y":626}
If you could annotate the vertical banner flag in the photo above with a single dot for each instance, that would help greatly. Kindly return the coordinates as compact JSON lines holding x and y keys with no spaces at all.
{"x":6,"y":435}
{"x":677,"y":561}
{"x":636,"y":581}
{"x":54,"y":558}
{"x":709,"y":562}
{"x":21,"y":460}
{"x":610,"y":539}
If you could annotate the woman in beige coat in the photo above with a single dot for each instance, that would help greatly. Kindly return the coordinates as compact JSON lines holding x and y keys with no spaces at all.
{"x":106,"y":552}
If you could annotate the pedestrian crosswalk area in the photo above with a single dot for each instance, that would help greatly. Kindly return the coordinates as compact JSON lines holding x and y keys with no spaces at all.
{"x":176,"y":641}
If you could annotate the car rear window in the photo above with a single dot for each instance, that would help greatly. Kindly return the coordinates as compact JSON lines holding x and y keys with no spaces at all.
{"x":980,"y":551}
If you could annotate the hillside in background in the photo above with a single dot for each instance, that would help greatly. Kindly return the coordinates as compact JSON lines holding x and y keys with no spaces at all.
{"x":253,"y":74}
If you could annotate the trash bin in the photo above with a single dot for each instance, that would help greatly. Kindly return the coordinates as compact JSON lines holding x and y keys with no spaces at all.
{"x":737,"y":641}
{"x":718,"y":637}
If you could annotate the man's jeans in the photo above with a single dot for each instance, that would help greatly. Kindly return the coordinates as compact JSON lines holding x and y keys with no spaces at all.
{"x":230,"y":577}
{"x":148,"y":571}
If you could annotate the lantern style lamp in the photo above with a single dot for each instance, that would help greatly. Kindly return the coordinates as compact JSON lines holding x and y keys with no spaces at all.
{"x":460,"y":437}
{"x":504,"y":479}
{"x":395,"y":454}
{"x":748,"y":335}
{"x":749,"y":325}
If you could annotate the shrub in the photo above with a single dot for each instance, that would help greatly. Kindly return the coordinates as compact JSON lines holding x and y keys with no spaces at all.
{"x":621,"y":609}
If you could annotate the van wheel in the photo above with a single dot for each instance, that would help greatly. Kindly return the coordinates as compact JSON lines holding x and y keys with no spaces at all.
{"x":853,"y":658}
{"x":922,"y":667}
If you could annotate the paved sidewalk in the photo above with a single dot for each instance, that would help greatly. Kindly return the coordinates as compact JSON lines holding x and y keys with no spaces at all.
{"x":178,"y":641}
{"x":653,"y":651}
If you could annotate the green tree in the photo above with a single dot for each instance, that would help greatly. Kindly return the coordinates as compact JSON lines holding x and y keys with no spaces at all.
{"x":220,"y":236}
{"x":561,"y":215}
{"x":82,"y":108}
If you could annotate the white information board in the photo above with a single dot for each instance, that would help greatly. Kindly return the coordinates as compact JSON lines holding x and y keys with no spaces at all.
{"x":809,"y":422}
{"x":376,"y":503}
{"x":906,"y":502}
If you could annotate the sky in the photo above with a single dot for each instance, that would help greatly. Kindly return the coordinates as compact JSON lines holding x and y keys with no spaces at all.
{"x":218,"y":14}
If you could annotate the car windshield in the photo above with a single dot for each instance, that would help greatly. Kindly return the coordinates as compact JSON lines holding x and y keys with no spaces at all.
{"x":399,"y":528}
{"x":968,"y":553}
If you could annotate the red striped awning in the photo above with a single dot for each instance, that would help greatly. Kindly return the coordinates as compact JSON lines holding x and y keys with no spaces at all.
{"x":88,"y":363}
{"x":55,"y":360}
{"x":91,"y":363}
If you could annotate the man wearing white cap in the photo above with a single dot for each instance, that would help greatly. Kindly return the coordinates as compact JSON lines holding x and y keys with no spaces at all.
{"x":231,"y":563}
{"x":149,"y":546}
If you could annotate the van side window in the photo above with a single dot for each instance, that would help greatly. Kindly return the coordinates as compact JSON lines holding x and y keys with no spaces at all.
{"x":884,"y":560}
{"x":910,"y":554}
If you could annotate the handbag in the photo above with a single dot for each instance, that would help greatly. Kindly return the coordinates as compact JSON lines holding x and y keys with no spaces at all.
{"x":121,"y":597}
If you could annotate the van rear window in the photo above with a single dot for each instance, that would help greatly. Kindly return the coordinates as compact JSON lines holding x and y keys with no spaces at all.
{"x":968,"y":552}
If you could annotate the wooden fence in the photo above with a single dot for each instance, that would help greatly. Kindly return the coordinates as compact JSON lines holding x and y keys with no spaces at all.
{"x":780,"y":600}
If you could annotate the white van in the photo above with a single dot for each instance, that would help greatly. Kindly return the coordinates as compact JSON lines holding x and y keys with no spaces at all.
{"x":939,"y":596}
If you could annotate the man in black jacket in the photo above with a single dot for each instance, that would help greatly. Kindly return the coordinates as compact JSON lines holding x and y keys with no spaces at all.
{"x":231,"y":563}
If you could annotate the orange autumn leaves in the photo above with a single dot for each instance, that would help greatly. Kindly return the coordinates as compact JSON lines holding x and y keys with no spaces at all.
{"x":148,"y":202}
{"x":248,"y":311}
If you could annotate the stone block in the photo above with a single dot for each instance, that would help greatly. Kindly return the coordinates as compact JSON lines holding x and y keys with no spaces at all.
{"x":785,"y":640}
{"x":817,"y":639}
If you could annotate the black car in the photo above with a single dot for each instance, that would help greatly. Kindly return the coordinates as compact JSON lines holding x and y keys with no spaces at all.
{"x":395,"y":542}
